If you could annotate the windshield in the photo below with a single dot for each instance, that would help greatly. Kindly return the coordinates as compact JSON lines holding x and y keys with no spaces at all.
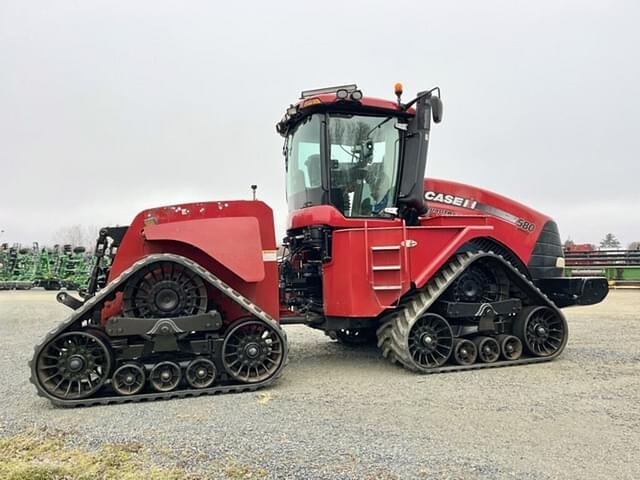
{"x":363,"y":164}
{"x":304,"y":179}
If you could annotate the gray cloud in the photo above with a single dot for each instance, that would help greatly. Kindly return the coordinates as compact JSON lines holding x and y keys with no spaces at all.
{"x":111,"y":107}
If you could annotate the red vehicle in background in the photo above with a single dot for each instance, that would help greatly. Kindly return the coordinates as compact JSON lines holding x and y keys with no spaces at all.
{"x":579,"y":248}
{"x":441,"y":275}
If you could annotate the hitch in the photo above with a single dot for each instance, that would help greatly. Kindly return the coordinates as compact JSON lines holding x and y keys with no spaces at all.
{"x":69,"y":300}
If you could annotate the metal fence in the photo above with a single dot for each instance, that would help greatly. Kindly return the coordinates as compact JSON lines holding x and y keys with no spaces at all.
{"x":621,"y":267}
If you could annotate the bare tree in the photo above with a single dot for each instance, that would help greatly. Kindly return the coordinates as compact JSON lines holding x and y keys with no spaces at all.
{"x":634,"y":246}
{"x":610,"y":241}
{"x":77,"y":235}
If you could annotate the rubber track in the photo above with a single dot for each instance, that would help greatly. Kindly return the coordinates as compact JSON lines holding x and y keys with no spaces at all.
{"x":98,"y":300}
{"x":395,"y":326}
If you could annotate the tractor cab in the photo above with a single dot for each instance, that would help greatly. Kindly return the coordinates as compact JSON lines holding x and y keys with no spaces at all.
{"x":365,"y":157}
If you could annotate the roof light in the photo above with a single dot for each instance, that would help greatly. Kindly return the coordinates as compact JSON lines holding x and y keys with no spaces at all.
{"x":356,"y":95}
{"x":342,"y":94}
{"x":311,"y":102}
{"x":292,"y":110}
{"x":320,"y":91}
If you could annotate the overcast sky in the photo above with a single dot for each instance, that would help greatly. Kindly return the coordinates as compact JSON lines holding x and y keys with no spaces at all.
{"x":109,"y":107}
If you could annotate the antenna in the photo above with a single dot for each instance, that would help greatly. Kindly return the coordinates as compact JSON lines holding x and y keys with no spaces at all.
{"x":254,"y":188}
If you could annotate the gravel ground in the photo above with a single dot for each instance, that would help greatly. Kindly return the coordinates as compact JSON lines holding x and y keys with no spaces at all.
{"x":340,"y":412}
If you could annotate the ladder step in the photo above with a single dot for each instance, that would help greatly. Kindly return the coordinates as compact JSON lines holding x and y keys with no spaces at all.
{"x":387,"y":287}
{"x":375,"y":268}
{"x":381,"y":248}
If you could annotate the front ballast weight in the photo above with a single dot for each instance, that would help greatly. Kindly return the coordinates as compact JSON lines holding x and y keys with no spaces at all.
{"x":167,"y":343}
{"x":478,"y":311}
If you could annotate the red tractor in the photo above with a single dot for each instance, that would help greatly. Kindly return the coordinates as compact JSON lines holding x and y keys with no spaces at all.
{"x":189,"y":299}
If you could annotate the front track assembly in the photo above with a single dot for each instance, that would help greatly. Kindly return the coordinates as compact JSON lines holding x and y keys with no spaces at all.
{"x":461,"y":320}
{"x":167,"y":344}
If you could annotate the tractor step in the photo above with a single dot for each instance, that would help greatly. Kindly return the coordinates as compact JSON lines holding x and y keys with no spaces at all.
{"x":381,"y":268}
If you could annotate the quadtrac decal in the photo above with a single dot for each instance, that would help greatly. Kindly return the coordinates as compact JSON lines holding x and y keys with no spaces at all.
{"x":435,"y":211}
{"x":471,"y":204}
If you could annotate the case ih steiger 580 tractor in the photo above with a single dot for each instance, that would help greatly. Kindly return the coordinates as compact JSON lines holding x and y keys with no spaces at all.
{"x":442,"y":276}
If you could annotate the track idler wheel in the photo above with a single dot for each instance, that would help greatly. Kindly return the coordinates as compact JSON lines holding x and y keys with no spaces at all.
{"x":464,"y":352}
{"x":74,"y":365}
{"x":430,"y":341}
{"x":253,"y":351}
{"x":542,"y":329}
{"x":201,"y":373}
{"x":128,"y":379}
{"x":165,"y":376}
{"x":488,"y":349}
{"x":510,"y":347}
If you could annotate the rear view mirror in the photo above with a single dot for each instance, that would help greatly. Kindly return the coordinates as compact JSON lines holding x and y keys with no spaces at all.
{"x":436,"y":109}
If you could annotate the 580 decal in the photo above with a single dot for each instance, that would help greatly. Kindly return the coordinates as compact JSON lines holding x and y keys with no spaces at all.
{"x":524,"y":225}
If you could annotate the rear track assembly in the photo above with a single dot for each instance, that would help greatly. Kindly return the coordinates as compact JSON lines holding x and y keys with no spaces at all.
{"x":79,"y":355}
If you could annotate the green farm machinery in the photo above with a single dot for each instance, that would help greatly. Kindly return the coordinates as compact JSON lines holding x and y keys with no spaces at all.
{"x":50,"y":268}
{"x":18,"y":267}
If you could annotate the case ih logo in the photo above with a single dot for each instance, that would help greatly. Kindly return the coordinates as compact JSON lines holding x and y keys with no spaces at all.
{"x":449,"y":199}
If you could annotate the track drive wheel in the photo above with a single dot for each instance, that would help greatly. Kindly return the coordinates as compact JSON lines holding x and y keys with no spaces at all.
{"x":164,"y":290}
{"x":481,"y":282}
{"x":543,"y":330}
{"x":253,"y":351}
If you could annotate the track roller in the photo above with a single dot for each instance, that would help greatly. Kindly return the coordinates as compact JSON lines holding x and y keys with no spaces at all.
{"x":510,"y":347}
{"x":464,"y":352}
{"x":201,"y":373}
{"x":128,"y":379}
{"x":488,"y":349}
{"x":165,"y":376}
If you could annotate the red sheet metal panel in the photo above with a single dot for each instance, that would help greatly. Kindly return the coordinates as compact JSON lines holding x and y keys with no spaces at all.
{"x":232,"y":241}
{"x":515,"y":225}
{"x":351,"y":286}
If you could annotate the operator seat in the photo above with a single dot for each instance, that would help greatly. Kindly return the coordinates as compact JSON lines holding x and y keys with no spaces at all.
{"x":297,"y":181}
